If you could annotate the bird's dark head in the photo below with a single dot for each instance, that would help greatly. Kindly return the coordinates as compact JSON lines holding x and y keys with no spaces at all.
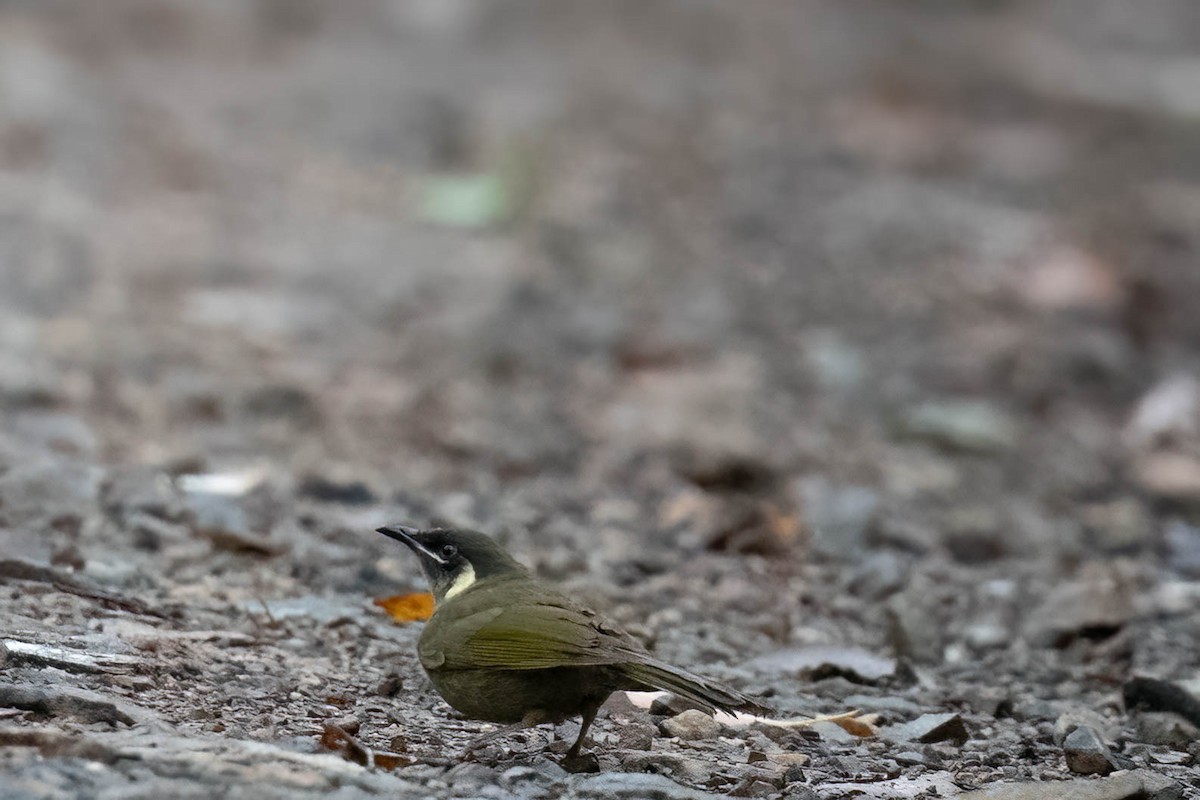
{"x":454,"y":559}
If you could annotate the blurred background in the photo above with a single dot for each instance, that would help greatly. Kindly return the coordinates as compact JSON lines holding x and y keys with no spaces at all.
{"x":893,"y":304}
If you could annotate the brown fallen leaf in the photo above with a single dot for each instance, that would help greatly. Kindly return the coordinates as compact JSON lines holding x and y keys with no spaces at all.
{"x":415,"y":607}
{"x":854,"y":723}
{"x":863,"y":727}
{"x":338,"y":741}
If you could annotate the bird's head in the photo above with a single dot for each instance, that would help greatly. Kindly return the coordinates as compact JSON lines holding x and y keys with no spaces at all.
{"x":453,"y":560}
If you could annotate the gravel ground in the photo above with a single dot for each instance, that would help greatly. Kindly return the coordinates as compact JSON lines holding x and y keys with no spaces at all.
{"x":847,"y":352}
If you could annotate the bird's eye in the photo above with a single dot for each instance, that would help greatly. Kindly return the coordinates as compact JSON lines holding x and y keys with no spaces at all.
{"x":449,"y":551}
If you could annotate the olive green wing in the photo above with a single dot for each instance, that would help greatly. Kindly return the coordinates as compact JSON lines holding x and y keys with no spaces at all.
{"x":533,"y":636}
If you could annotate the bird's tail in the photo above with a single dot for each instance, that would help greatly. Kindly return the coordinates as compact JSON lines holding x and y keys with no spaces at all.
{"x":651,"y":674}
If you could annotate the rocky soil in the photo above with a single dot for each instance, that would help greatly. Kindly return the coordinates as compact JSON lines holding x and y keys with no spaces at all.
{"x":848,"y":352}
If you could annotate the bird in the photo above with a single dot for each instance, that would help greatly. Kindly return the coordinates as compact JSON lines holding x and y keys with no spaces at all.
{"x":503,"y":646}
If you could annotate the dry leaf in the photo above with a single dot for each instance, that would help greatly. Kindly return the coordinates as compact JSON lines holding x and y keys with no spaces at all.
{"x":863,"y":727}
{"x":415,"y":607}
{"x":854,"y":722}
{"x":339,"y":741}
{"x":783,"y":525}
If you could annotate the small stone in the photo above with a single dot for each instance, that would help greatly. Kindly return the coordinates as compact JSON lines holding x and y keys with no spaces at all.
{"x":636,"y":736}
{"x":281,"y":402}
{"x":838,"y":517}
{"x":1075,"y":718}
{"x":1100,"y":599}
{"x":390,"y":686}
{"x":220,"y":519}
{"x":1156,"y":786}
{"x":581,"y":763}
{"x":986,"y":634}
{"x":1183,"y":548}
{"x":928,"y":728}
{"x":151,"y":532}
{"x":471,"y":773}
{"x":682,"y":768}
{"x":835,"y":363}
{"x":1168,"y":475}
{"x":42,"y":489}
{"x":1118,"y":526}
{"x":974,"y":535}
{"x":753,"y":787}
{"x":987,"y":700}
{"x":350,"y":725}
{"x":691,"y":725}
{"x":919,"y":618}
{"x":789,"y":760}
{"x":798,"y":791}
{"x":959,"y":426}
{"x":1170,"y":409}
{"x":880,"y":575}
{"x":144,"y":490}
{"x":1086,"y":753}
{"x":911,"y":758}
{"x":1165,"y":729}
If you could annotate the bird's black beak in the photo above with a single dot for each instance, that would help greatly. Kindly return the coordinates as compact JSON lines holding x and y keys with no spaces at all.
{"x":406,"y":534}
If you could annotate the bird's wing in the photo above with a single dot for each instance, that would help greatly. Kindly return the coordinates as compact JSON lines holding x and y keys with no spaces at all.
{"x":536,"y":635}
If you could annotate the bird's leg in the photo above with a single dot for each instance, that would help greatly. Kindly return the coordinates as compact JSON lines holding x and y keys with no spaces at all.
{"x":530,"y":720}
{"x":589,"y":715}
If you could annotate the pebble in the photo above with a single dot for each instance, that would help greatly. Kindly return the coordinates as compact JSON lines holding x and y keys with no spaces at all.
{"x":1118,"y":526}
{"x":39,"y":489}
{"x":838,"y":518}
{"x":1074,"y":718}
{"x":140,"y":489}
{"x":928,"y":728}
{"x":959,"y":426}
{"x":1100,"y":598}
{"x":975,"y":535}
{"x":1170,"y":476}
{"x":636,"y":736}
{"x":879,"y":575}
{"x":1086,"y":753}
{"x":516,"y":778}
{"x":753,"y":787}
{"x":685,"y":769}
{"x":1165,"y":729}
{"x":220,"y":519}
{"x":918,"y":624}
{"x":1183,"y":548}
{"x":691,"y":725}
{"x":1156,"y":786}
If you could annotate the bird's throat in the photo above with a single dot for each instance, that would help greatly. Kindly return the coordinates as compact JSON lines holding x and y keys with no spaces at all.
{"x":462,"y":581}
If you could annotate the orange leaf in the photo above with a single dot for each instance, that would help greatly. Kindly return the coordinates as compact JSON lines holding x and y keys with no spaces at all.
{"x":414,"y":607}
{"x":861,"y":726}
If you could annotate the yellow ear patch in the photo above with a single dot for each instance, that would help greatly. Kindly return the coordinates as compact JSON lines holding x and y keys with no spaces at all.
{"x":462,"y":581}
